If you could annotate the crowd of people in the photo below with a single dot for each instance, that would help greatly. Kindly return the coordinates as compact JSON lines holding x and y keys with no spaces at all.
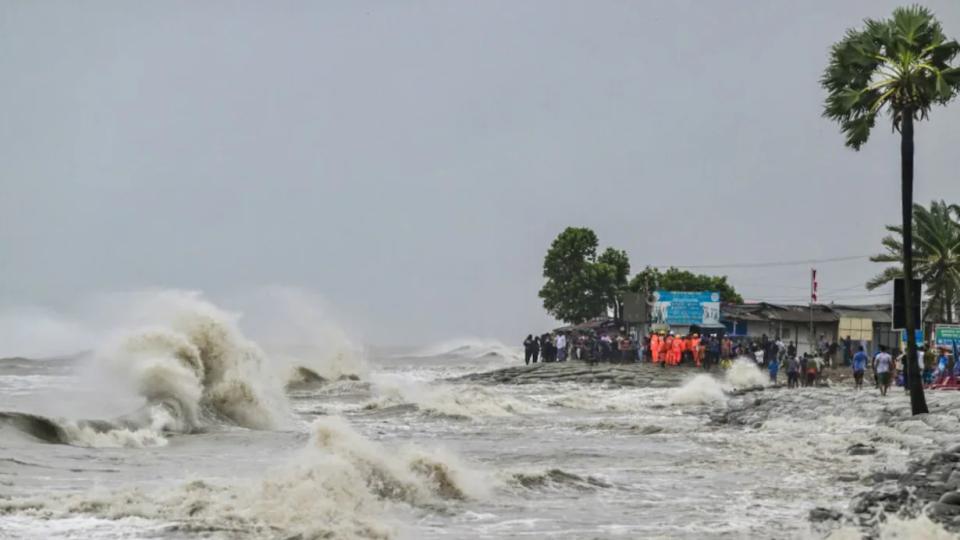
{"x":587,"y":346}
{"x":937,"y":364}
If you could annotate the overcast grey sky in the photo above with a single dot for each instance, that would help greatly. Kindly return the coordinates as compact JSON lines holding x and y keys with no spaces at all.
{"x":410,"y":162}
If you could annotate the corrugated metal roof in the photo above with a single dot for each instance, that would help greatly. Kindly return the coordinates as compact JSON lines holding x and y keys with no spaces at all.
{"x":803,"y":313}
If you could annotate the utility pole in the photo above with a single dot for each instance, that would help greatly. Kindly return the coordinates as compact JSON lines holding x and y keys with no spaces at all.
{"x":813,"y":298}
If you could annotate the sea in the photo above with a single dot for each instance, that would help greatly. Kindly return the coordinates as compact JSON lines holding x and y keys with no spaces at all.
{"x":181,"y":425}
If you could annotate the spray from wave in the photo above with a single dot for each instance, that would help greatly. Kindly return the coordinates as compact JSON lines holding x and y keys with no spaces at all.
{"x":191,"y":357}
{"x":704,"y":389}
{"x":744,"y":373}
{"x":700,"y":390}
{"x":341,"y":485}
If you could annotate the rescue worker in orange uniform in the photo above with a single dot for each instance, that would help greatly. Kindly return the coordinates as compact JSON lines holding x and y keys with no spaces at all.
{"x":678,"y":347}
{"x":695,"y":348}
{"x":654,"y":348}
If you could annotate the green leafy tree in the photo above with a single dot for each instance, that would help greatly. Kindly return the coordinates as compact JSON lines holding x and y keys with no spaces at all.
{"x":615,"y":268}
{"x":901,"y":66}
{"x":575,"y":290}
{"x":674,"y":279}
{"x":936,"y":256}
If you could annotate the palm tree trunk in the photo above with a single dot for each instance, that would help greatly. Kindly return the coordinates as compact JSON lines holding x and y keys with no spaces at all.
{"x":917,"y":401}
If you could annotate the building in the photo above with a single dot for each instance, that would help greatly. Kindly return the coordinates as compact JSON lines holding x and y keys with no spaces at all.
{"x":833,"y":322}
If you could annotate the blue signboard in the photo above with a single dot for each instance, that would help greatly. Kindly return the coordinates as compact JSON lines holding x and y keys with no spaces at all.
{"x":686,"y":308}
{"x":918,"y":333}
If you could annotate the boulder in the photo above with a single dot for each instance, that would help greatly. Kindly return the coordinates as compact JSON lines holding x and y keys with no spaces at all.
{"x":860,"y":449}
{"x":951,"y":498}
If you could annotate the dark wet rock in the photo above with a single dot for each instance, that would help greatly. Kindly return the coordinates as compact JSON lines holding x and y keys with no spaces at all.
{"x":860,"y":449}
{"x":950,"y":497}
{"x":847,"y":478}
{"x":628,"y":375}
{"x":820,"y":514}
{"x":941,"y":510}
{"x":953,"y":480}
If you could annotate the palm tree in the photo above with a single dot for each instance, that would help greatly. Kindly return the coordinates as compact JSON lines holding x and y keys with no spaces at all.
{"x":901,"y":65}
{"x":936,"y":256}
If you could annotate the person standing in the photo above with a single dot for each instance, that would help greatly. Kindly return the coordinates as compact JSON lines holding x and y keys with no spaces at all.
{"x":884,"y":366}
{"x":528,"y":349}
{"x":859,"y":367}
{"x":793,"y":370}
{"x":561,"y":347}
{"x":536,"y":349}
{"x":792,"y":350}
{"x":831,"y":353}
{"x":773,"y":367}
{"x":813,"y":367}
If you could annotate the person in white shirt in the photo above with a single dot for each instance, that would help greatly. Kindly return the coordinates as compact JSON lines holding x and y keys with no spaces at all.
{"x":561,"y":348}
{"x":758,"y":355}
{"x":884,"y":366}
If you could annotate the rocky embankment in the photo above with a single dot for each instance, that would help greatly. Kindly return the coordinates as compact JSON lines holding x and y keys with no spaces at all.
{"x":644,"y":375}
{"x":930,"y":486}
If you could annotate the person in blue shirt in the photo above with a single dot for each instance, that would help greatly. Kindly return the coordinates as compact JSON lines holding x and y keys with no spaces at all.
{"x":942,"y":362}
{"x":773,"y":368}
{"x":859,"y":366}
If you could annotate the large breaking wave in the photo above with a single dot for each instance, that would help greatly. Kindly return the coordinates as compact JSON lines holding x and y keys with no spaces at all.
{"x":340,"y":485}
{"x":191,"y":367}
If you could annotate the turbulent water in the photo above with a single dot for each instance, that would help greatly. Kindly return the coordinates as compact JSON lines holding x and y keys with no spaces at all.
{"x":182,"y":427}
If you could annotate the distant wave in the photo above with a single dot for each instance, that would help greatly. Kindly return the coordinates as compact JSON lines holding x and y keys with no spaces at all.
{"x":455,"y":402}
{"x":473,"y":349}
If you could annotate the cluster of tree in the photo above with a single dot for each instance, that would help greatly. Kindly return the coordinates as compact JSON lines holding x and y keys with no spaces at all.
{"x":901,"y":66}
{"x":582,"y":285}
{"x":674,"y":279}
{"x":936,"y":257}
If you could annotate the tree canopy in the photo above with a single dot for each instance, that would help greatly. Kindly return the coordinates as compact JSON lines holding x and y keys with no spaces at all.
{"x":580,"y":286}
{"x":899,"y":65}
{"x":674,"y":279}
{"x":936,"y":255}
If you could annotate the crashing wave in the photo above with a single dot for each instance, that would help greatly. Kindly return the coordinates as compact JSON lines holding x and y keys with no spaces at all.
{"x":744,"y":374}
{"x":700,"y":390}
{"x":86,"y":433}
{"x":341,"y":485}
{"x":192,"y":357}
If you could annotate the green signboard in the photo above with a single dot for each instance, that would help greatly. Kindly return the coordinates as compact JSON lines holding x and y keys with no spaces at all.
{"x":946,"y":334}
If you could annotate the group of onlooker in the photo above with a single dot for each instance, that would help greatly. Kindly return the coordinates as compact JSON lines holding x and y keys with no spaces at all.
{"x":597,"y":346}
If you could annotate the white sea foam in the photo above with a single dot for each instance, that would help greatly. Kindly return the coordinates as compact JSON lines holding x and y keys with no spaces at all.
{"x":445,"y":399}
{"x":341,"y":485}
{"x":744,"y":373}
{"x":702,"y":389}
{"x":190,"y":354}
{"x":895,"y":528}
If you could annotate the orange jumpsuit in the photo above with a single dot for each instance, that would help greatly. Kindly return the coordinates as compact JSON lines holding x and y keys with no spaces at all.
{"x":677,"y":350}
{"x":695,"y":349}
{"x":655,"y":348}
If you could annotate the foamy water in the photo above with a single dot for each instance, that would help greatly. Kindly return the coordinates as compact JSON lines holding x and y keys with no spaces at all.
{"x":206,"y":442}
